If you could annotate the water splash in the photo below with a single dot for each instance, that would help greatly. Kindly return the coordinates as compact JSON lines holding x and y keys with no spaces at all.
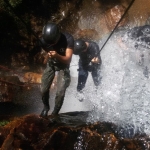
{"x":124,"y":94}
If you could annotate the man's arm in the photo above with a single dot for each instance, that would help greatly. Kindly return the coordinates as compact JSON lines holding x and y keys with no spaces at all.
{"x":64,"y":59}
{"x":96,"y":59}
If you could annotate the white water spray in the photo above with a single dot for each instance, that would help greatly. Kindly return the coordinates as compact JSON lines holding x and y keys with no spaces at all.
{"x":124,"y":94}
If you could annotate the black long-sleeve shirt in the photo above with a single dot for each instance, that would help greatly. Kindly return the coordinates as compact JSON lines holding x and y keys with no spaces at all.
{"x":92,"y":51}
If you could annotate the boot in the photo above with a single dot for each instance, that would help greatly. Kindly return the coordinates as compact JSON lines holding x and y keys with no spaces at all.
{"x":55,"y":111}
{"x":44,"y":112}
{"x":46,"y":108}
{"x":58,"y":104}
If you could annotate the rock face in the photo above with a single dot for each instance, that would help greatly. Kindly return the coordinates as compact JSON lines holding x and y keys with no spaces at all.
{"x":66,"y":131}
{"x":113,"y":16}
{"x":32,"y":77}
{"x":7,"y":85}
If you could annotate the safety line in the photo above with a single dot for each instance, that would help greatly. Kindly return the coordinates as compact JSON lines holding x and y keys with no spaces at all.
{"x":25,"y":85}
{"x":5,"y":68}
{"x":11,"y":83}
{"x":117,"y":24}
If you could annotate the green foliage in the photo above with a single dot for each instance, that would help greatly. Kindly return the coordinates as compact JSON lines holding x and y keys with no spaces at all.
{"x":15,"y":3}
{"x":3,"y":122}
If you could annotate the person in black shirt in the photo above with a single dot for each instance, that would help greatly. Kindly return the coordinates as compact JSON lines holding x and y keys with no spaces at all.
{"x":59,"y":47}
{"x":89,"y":61}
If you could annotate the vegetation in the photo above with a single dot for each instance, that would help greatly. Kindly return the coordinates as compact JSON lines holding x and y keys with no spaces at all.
{"x":4,"y":122}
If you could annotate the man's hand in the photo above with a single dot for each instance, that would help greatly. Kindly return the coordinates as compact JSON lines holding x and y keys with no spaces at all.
{"x":64,"y":59}
{"x":95,"y":60}
{"x":52,"y":54}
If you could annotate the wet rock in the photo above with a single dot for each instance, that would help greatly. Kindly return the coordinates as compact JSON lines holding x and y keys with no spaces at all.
{"x":32,"y":77}
{"x":7,"y":85}
{"x":87,"y":34}
{"x":113,"y":15}
{"x":66,"y":131}
{"x":20,"y":59}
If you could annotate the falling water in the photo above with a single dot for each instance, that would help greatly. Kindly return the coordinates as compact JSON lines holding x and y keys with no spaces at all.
{"x":124,"y":93}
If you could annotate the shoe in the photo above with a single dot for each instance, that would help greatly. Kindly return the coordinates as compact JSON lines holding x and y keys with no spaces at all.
{"x":52,"y":119}
{"x":54,"y":114}
{"x":80,"y":96}
{"x":44,"y":113}
{"x":56,"y":110}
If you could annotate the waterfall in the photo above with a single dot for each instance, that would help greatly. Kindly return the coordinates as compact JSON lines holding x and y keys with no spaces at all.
{"x":123,"y":96}
{"x":124,"y":93}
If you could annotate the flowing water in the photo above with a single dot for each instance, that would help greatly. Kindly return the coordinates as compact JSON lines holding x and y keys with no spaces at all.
{"x":123,"y":96}
{"x":124,"y":93}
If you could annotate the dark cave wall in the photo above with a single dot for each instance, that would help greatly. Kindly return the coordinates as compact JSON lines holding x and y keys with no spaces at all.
{"x":27,"y":18}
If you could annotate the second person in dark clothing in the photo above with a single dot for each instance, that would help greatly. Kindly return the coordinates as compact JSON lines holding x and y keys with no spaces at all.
{"x":59,"y":47}
{"x":89,"y":61}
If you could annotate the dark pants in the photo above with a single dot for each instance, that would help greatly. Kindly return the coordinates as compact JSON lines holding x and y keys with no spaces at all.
{"x":83,"y":75}
{"x":63,"y":81}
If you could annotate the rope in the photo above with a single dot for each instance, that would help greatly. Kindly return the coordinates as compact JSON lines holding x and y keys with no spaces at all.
{"x":12,"y":83}
{"x":117,"y":24}
{"x":5,"y":68}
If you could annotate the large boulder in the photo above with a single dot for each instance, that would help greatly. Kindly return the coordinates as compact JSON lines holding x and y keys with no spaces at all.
{"x":66,"y":131}
{"x":113,"y":16}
